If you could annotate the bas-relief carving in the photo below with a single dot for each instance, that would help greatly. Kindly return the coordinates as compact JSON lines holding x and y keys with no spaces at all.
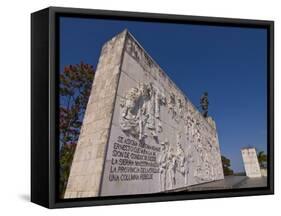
{"x":140,"y":117}
{"x":140,"y":111}
{"x":194,"y":153}
{"x":181,"y":147}
{"x":171,"y":160}
{"x":135,"y":51}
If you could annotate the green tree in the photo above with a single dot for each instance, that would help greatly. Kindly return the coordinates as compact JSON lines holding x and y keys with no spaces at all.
{"x":262,"y":158}
{"x":226,"y":166}
{"x":75,"y":87}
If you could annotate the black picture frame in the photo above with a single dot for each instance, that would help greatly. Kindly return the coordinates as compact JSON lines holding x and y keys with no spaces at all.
{"x":44,"y":116}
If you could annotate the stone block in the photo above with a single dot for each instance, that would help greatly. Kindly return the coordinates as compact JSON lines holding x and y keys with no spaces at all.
{"x":251,"y":163}
{"x":140,"y":133}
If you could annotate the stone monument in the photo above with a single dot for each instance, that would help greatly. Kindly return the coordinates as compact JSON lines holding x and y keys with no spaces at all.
{"x":251,"y":162}
{"x":140,"y":133}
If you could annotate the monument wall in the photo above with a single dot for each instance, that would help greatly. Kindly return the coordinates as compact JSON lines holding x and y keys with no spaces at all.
{"x":88,"y":162}
{"x":251,"y":163}
{"x":143,"y":135}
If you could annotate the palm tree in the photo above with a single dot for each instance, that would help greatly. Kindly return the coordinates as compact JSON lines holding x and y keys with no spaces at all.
{"x":262,"y":158}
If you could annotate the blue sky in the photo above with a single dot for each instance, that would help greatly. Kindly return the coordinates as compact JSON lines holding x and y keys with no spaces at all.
{"x":228,"y":62}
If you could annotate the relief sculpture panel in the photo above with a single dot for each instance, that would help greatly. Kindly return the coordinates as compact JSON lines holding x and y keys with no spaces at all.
{"x":159,"y":141}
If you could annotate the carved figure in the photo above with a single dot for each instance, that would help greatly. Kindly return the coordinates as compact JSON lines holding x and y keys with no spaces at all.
{"x":130,"y":115}
{"x":179,"y":110}
{"x":181,"y":159}
{"x":171,"y":105}
{"x":140,"y":109}
{"x":204,"y":102}
{"x":159,"y":100}
{"x":171,"y":169}
{"x":163,"y":163}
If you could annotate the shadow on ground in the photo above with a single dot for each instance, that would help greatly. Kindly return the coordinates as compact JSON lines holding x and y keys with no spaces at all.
{"x":25,"y":197}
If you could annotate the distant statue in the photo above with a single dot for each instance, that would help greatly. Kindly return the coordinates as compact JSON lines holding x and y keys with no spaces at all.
{"x":204,"y":102}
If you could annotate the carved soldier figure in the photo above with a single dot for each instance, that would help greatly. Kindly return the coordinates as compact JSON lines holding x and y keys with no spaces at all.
{"x":163,"y":162}
{"x":180,"y":155}
{"x":181,"y":159}
{"x":171,"y":169}
{"x":160,"y":99}
{"x":140,"y":111}
{"x":149,"y":104}
{"x":179,"y":110}
{"x":129,"y":117}
{"x":204,"y":102}
{"x":144,"y":109}
{"x":171,"y":105}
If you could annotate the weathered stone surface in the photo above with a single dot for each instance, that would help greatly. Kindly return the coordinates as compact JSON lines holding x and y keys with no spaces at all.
{"x":156,"y":139}
{"x":264,"y":172}
{"x":251,"y":163}
{"x":87,"y":166}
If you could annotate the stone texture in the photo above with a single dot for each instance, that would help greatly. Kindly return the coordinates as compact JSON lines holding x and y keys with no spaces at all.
{"x":140,"y":134}
{"x":264,"y":172}
{"x":87,"y":166}
{"x":251,"y":163}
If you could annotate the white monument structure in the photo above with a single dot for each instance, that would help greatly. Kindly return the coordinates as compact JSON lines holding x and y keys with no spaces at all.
{"x":251,"y":162}
{"x":140,"y":133}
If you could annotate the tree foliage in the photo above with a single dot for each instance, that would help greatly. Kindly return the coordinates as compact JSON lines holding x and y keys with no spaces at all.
{"x":262,"y":158}
{"x":226,"y":166}
{"x":75,"y":87}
